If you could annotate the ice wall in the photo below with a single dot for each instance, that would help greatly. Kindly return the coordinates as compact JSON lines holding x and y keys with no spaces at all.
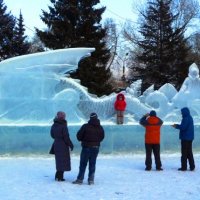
{"x":23,"y":140}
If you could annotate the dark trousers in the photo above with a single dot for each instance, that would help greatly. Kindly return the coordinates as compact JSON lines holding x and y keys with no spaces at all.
{"x":88,"y":154}
{"x":186,"y":153}
{"x":155,"y":148}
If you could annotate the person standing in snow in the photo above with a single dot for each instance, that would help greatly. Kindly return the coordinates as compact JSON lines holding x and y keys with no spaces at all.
{"x":186,"y":136}
{"x":152,"y":124}
{"x":61,"y":145}
{"x":120,"y":106}
{"x":90,"y":135}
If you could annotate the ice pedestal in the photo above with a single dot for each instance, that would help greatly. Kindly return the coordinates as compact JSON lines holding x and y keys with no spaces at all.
{"x":25,"y":140}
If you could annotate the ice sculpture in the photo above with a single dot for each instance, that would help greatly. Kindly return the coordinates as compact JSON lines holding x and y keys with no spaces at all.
{"x":189,"y":90}
{"x":29,"y":86}
{"x":34,"y":87}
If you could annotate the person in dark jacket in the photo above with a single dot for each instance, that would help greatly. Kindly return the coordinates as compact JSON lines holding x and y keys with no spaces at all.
{"x":120,"y":106}
{"x":90,"y":135}
{"x":186,"y":135}
{"x":61,"y":145}
{"x":152,"y":124}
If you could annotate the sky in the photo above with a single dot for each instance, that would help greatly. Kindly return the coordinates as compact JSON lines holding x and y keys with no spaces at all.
{"x":120,"y":10}
{"x":31,"y":11}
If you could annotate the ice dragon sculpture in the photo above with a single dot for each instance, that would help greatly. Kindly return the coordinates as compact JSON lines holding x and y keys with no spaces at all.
{"x":34,"y":87}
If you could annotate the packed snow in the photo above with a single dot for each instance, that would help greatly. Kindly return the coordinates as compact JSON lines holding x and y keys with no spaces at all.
{"x":118,"y":177}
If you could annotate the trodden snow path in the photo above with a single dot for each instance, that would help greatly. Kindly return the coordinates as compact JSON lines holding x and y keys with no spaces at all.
{"x":118,"y":177}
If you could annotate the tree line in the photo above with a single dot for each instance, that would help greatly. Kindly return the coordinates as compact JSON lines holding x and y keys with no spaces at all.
{"x":156,"y":49}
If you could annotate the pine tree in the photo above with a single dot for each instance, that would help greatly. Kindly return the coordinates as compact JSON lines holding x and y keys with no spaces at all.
{"x":76,"y":23}
{"x":182,"y":61}
{"x":164,"y":48}
{"x":7,"y":24}
{"x":21,"y":46}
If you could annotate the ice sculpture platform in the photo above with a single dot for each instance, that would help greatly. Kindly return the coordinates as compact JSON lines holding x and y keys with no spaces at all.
{"x":36,"y":140}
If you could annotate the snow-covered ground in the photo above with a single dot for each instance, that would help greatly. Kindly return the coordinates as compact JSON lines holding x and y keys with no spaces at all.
{"x":118,"y":177}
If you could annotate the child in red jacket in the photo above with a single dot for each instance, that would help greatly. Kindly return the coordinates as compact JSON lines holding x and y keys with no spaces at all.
{"x":120,"y":106}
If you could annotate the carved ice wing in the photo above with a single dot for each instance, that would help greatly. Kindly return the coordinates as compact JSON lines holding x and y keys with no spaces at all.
{"x":66,"y":58}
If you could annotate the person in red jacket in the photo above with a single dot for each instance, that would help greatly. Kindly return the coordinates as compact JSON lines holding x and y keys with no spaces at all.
{"x":120,"y":106}
{"x":152,"y":125}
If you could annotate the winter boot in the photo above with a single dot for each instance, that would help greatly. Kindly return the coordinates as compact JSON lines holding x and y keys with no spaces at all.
{"x":90,"y":182}
{"x":159,"y":169}
{"x":182,"y":169}
{"x":148,"y":169}
{"x":77,"y":181}
{"x":59,"y":176}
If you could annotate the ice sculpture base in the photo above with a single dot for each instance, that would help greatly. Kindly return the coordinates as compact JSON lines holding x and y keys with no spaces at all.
{"x":26,"y":140}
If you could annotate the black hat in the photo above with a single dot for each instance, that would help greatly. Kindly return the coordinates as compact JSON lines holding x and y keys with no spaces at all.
{"x":153,"y":113}
{"x":93,"y":116}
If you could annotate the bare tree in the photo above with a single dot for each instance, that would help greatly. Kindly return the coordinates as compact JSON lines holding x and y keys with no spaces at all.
{"x":195,"y":43}
{"x":117,"y":46}
{"x":186,"y":10}
{"x":112,"y":38}
{"x":36,"y":45}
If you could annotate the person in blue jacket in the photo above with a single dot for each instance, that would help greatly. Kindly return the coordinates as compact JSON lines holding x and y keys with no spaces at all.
{"x":186,"y":135}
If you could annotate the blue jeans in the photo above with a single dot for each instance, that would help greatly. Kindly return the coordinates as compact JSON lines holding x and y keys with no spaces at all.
{"x":88,"y":154}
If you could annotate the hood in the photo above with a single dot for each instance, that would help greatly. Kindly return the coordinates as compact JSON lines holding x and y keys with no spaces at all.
{"x":185,"y":112}
{"x":153,"y":120}
{"x":94,"y":122}
{"x":60,"y":121}
{"x":121,"y":95}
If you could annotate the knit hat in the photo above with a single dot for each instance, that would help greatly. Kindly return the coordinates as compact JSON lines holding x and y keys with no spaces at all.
{"x":61,"y":115}
{"x":152,"y":113}
{"x":93,"y":116}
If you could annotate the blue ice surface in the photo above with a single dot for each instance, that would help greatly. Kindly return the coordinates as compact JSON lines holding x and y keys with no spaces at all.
{"x":36,"y":140}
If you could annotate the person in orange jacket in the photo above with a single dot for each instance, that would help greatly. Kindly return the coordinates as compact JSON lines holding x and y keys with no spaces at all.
{"x":120,"y":106}
{"x":152,"y":124}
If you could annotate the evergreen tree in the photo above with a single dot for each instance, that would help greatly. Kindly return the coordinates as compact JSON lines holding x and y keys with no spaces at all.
{"x":7,"y":24}
{"x":76,"y":23}
{"x":21,"y":46}
{"x":164,"y":49}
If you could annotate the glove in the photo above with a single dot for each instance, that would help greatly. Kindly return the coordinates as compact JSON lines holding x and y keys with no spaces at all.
{"x":174,"y":125}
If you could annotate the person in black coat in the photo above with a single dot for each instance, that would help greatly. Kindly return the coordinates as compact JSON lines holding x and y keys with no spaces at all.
{"x":61,"y":145}
{"x":90,"y":135}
